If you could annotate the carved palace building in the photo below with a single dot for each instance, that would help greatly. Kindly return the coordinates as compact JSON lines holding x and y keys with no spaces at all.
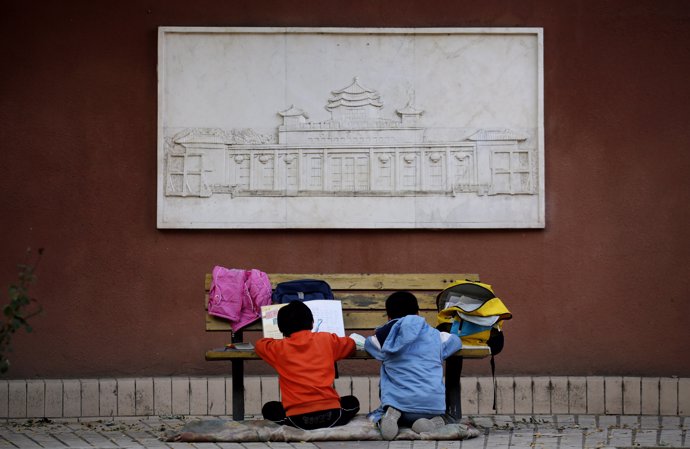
{"x":355,"y":153}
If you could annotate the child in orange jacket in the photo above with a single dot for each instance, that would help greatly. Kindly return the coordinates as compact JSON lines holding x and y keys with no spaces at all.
{"x":305,"y":362}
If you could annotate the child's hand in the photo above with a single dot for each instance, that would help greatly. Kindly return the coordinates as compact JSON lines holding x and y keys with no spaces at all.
{"x":359,"y":340}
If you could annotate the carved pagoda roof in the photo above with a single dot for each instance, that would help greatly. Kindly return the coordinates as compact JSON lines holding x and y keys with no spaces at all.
{"x":200,"y":135}
{"x":497,"y":134}
{"x":354,"y":95}
{"x":292,"y":111}
{"x":409,"y":109}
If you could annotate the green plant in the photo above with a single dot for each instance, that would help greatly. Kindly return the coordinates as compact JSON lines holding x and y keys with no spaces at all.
{"x":21,"y":307}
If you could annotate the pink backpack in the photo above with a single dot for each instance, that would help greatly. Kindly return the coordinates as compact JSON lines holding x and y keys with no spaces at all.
{"x":237,"y":295}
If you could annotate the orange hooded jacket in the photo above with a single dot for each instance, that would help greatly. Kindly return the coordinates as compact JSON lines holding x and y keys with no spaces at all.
{"x":305,"y":362}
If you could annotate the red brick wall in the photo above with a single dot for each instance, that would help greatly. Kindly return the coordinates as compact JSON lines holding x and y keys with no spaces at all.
{"x":602,"y":290}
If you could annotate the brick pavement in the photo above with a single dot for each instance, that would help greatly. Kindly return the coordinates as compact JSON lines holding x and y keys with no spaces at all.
{"x":499,"y":432}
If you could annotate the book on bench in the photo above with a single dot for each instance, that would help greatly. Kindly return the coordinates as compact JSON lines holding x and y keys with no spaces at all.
{"x":328,"y":317}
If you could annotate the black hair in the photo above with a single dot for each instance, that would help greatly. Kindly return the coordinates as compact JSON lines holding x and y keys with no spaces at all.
{"x":293,"y":317}
{"x":400,"y":304}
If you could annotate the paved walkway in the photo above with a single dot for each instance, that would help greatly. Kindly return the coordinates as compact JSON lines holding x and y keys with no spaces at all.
{"x":503,"y":432}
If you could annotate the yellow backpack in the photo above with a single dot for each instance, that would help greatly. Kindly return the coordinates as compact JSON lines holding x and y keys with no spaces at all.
{"x":472,"y":311}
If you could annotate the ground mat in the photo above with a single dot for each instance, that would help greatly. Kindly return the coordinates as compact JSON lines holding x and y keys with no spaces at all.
{"x":360,"y":428}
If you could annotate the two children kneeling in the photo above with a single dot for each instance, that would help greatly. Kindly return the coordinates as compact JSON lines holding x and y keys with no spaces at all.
{"x":411,"y":354}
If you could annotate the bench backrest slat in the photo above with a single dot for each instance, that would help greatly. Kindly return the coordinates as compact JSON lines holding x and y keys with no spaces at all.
{"x":363,"y":295}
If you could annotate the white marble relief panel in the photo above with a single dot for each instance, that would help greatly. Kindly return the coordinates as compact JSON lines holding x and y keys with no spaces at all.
{"x":350,"y":128}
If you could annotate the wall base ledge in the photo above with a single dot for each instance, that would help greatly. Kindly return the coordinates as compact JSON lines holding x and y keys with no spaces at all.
{"x":212,"y":396}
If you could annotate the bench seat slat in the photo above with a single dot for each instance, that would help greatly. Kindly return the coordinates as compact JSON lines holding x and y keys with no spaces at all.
{"x":377,"y":300}
{"x":474,"y":352}
{"x":374,"y":281}
{"x":353,"y":320}
{"x":374,"y":300}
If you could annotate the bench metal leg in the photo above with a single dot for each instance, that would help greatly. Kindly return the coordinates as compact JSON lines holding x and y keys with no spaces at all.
{"x":237,"y":383}
{"x":453,"y":372}
{"x":237,"y":390}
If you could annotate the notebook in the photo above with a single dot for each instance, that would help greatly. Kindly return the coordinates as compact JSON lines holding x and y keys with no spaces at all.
{"x":328,"y":317}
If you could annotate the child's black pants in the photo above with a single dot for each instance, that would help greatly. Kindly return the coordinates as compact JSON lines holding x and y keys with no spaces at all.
{"x":349,"y":407}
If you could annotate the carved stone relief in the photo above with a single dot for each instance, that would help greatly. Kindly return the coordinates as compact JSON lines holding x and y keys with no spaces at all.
{"x":410,"y":164}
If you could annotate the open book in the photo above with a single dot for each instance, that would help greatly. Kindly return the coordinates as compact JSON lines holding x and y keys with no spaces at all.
{"x":328,"y":317}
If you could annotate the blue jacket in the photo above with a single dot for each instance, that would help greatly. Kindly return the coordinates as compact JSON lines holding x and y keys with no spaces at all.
{"x":412,"y":355}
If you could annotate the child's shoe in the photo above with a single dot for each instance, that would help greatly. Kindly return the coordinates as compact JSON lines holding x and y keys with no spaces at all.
{"x":389,"y":423}
{"x":428,"y":425}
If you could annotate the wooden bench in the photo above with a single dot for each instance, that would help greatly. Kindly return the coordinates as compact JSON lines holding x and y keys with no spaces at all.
{"x":363,"y":298}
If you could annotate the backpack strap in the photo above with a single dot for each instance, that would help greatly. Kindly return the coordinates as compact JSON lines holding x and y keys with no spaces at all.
{"x":493,"y":376}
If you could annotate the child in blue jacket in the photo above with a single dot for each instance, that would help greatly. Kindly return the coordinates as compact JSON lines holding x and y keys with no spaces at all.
{"x":412,"y":355}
